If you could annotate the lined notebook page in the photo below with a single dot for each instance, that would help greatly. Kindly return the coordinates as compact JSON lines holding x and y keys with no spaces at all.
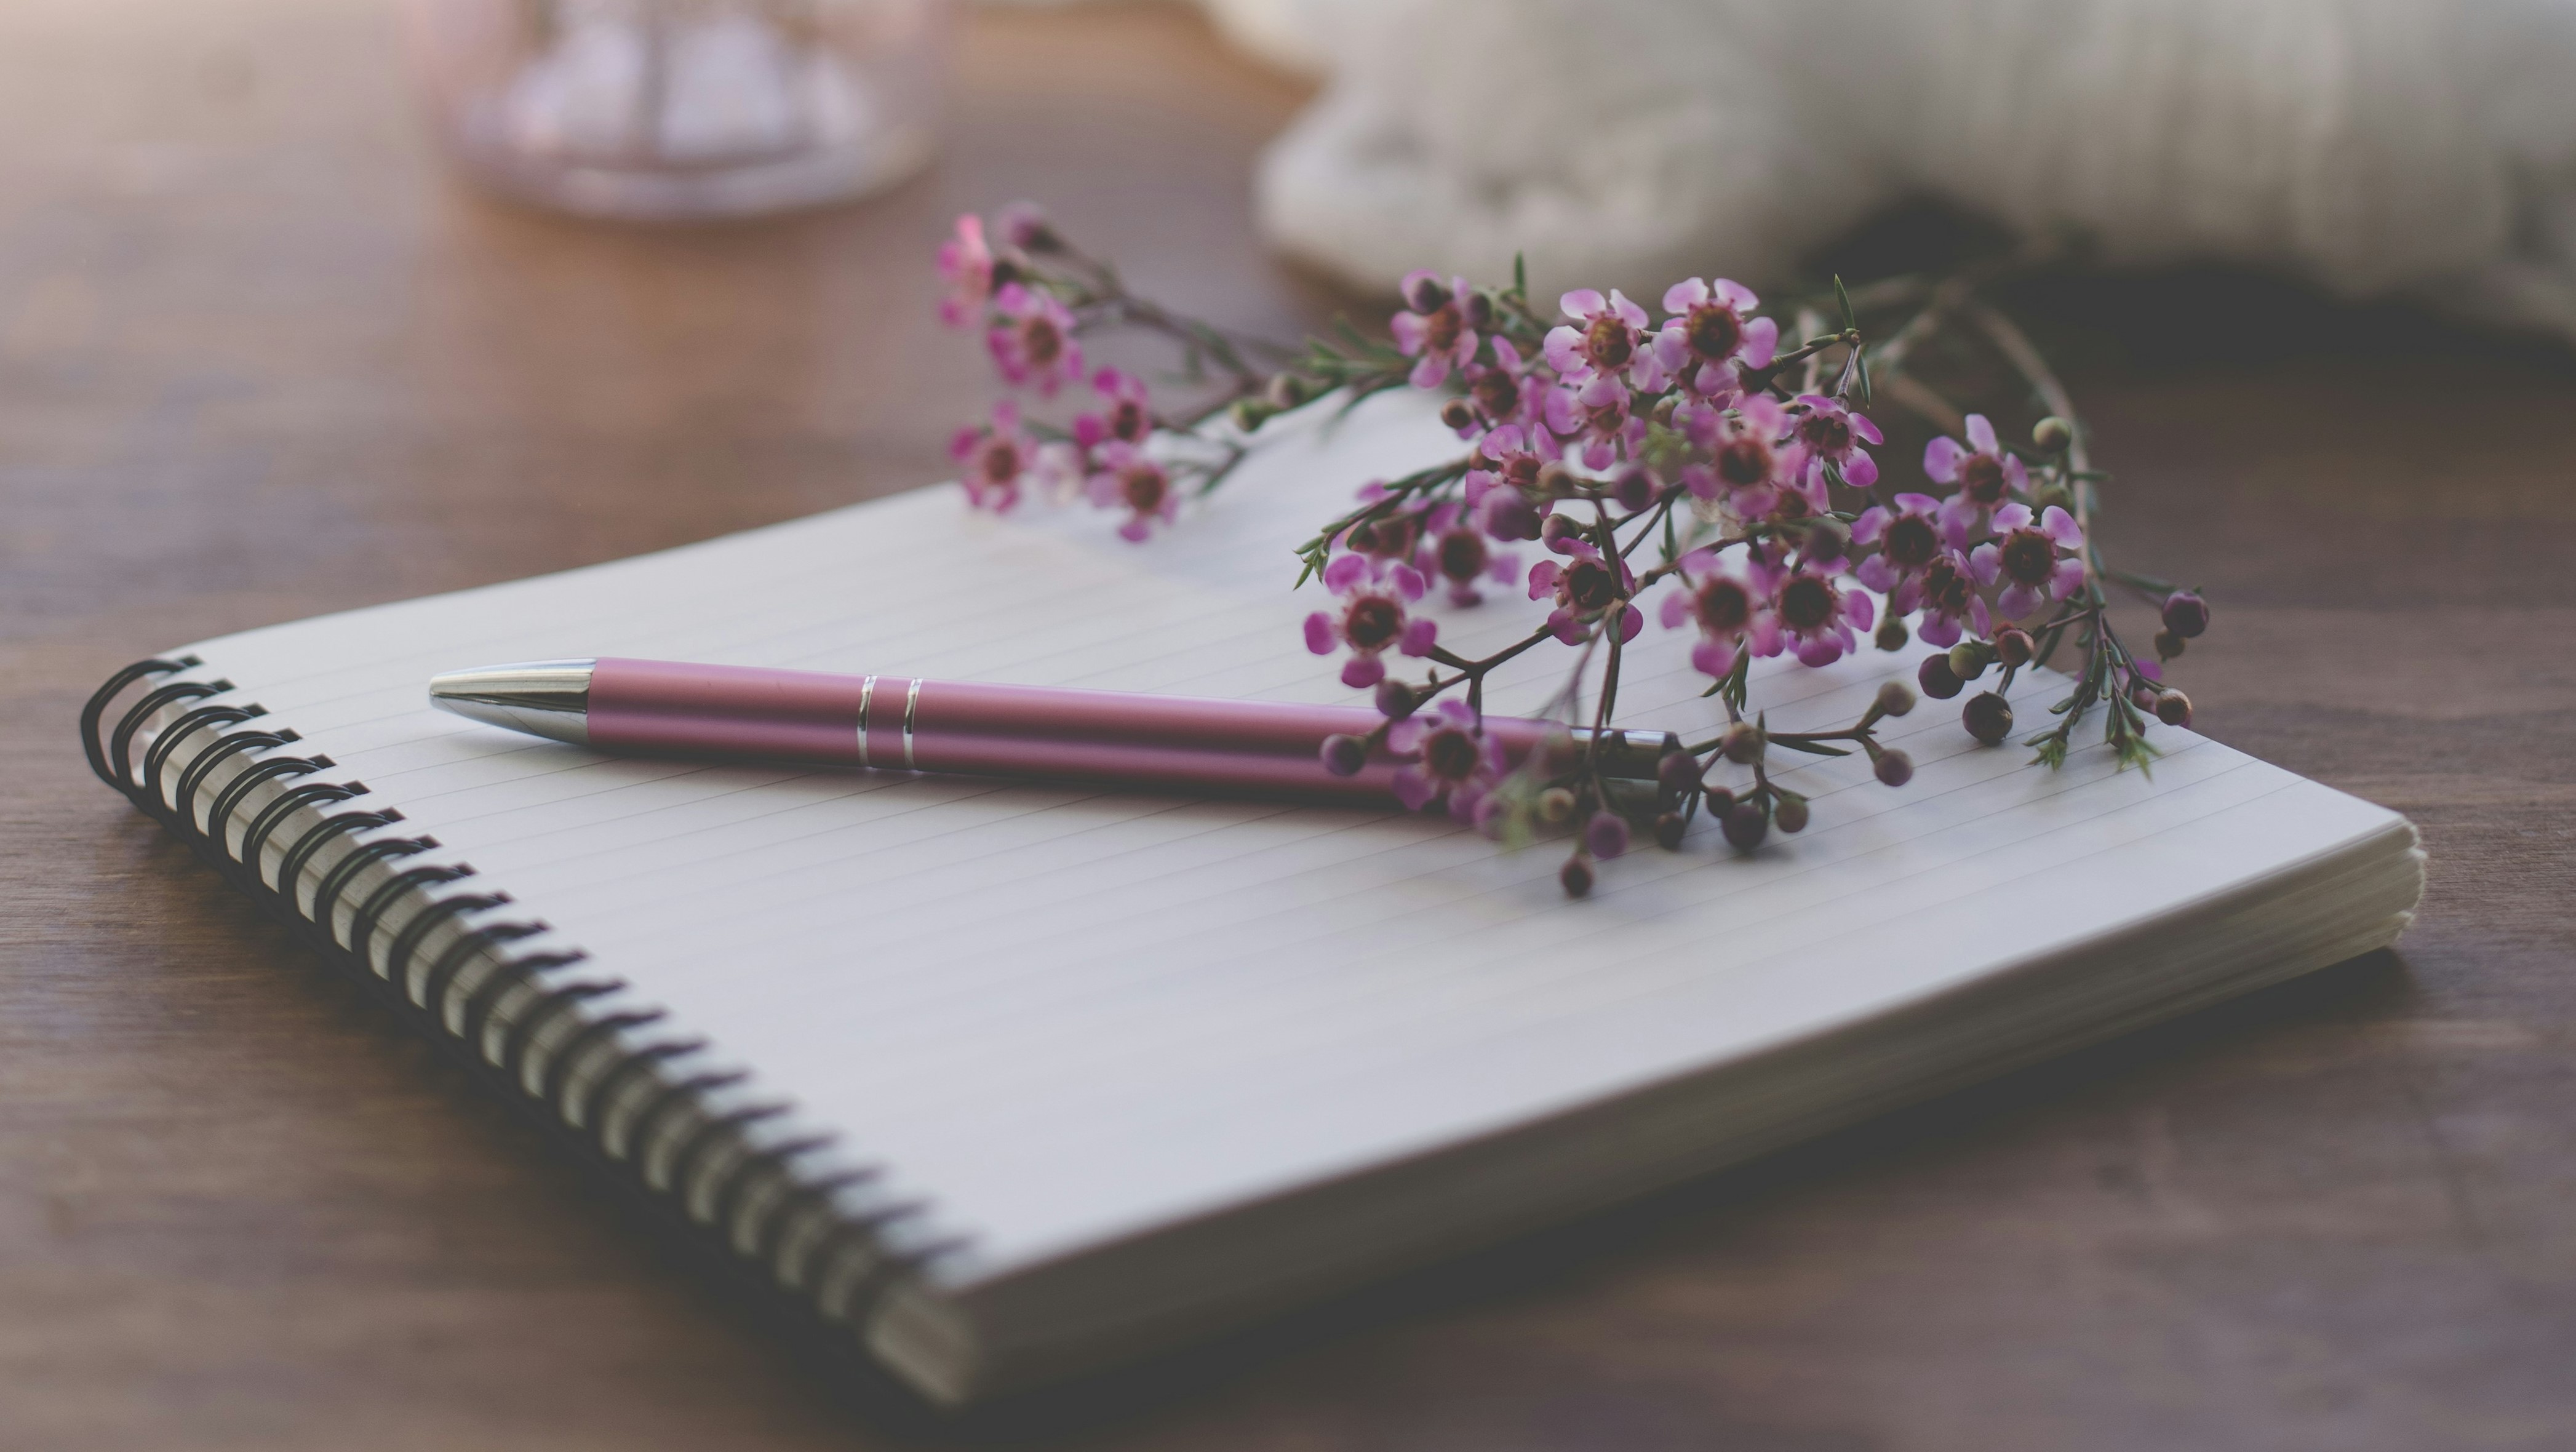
{"x":1064,"y":1015}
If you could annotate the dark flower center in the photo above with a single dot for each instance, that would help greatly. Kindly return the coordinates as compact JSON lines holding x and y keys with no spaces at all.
{"x":1911,"y":542}
{"x":1589,"y":585}
{"x":1609,"y":343}
{"x":1827,"y":434}
{"x":1521,"y":472}
{"x":1127,"y":420}
{"x":1715,"y":331}
{"x":1744,"y":461}
{"x":1143,"y":487}
{"x":1982,"y":477}
{"x":1498,"y":394}
{"x":2029,"y":556}
{"x":1462,"y":555}
{"x":1607,"y":419}
{"x":1041,"y":341}
{"x":1440,"y":330}
{"x":1386,"y":537}
{"x":1806,"y":603}
{"x":1725,"y":607}
{"x":1372,"y":622}
{"x":1449,"y":754}
{"x":1944,"y":588}
{"x":999,"y":462}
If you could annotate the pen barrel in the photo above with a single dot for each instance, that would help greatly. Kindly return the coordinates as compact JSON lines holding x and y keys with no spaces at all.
{"x":903,"y":723}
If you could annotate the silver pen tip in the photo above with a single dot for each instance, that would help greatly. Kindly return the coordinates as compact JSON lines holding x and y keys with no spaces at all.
{"x":549,"y":698}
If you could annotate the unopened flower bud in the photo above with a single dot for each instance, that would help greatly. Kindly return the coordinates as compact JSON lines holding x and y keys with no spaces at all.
{"x":1968,"y":659}
{"x":2143,"y":696}
{"x":2186,"y":614}
{"x":1720,"y":802}
{"x":1678,"y":773}
{"x":2052,"y":435}
{"x":2168,"y":645}
{"x":1556,"y":530}
{"x":1005,"y":272}
{"x":2013,"y":646}
{"x":2174,"y":708}
{"x":1024,"y":225}
{"x":1556,"y":804}
{"x":1892,"y":634}
{"x":1395,"y":699}
{"x":1791,"y":814}
{"x":1606,"y":835}
{"x":1479,"y":310}
{"x":1895,"y":698}
{"x":1894,"y":768}
{"x":1742,"y":743}
{"x":1344,"y":755}
{"x":1668,"y":831}
{"x":1665,"y":407}
{"x":1575,"y":877}
{"x":1936,"y":678}
{"x":1988,"y":718}
{"x":1287,"y":390}
{"x":1828,"y":539}
{"x":1251,"y":413}
{"x":1745,"y":825}
{"x":1555,"y":481}
{"x":1509,"y":515}
{"x":1634,"y":489}
{"x":1458,"y":413}
{"x":1426,"y":295}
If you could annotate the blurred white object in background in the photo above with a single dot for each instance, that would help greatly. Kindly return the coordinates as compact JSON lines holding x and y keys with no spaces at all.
{"x":2375,"y":147}
{"x":679,"y":109}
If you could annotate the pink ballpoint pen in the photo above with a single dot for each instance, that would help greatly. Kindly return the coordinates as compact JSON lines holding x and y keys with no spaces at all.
{"x":904,"y":723}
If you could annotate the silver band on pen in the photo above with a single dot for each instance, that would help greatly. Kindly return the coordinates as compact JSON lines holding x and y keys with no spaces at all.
{"x":867,"y":698}
{"x":911,"y":708}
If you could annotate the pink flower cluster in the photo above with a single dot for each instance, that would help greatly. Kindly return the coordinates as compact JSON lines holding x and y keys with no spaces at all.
{"x":1035,"y":341}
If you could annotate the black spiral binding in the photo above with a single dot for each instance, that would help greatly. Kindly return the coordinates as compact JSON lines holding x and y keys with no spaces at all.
{"x":611,"y":1102}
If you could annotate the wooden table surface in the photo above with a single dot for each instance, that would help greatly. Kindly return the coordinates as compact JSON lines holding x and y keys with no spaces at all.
{"x":259,"y":358}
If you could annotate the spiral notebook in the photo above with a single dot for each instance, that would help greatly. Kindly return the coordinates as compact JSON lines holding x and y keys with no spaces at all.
{"x":1012,"y":1080}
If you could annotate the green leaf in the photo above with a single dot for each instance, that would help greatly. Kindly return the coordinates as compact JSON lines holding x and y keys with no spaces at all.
{"x":1520,"y":273}
{"x":1860,"y":368}
{"x":1843,"y":298}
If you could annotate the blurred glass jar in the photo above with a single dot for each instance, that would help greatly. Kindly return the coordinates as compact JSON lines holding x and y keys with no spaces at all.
{"x":678,"y":109}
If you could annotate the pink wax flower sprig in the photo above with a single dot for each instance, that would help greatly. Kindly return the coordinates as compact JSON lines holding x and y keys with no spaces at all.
{"x":1706,"y":468}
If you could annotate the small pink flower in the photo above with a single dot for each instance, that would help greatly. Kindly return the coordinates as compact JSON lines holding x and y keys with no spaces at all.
{"x":1948,"y":599}
{"x":1450,"y":757}
{"x":1814,"y":614}
{"x":966,"y":265}
{"x":1586,"y":587}
{"x":1609,"y":344}
{"x":1709,"y":333}
{"x":1750,"y":465}
{"x":1456,"y":551}
{"x":997,"y":458}
{"x":1394,"y":535}
{"x":1033,"y":344}
{"x":1371,"y":619}
{"x":1434,"y":326}
{"x":1503,"y":392}
{"x":1122,"y":477}
{"x":2027,"y":557}
{"x":1830,"y":433}
{"x":1731,"y":615}
{"x":1910,"y":539}
{"x":1128,"y":418}
{"x":1983,"y":470}
{"x":1596,"y":417}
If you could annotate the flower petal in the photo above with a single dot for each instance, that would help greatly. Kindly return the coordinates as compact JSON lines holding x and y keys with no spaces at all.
{"x":1319,"y":633}
{"x":1419,"y":636}
{"x":1583,"y":302}
{"x":1413,"y":788}
{"x":1684,"y":295}
{"x":1344,"y":571}
{"x":1981,"y":434}
{"x":1941,"y":459}
{"x":1363,"y":671}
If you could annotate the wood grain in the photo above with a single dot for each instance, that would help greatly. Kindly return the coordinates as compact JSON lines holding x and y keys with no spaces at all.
{"x":259,"y":358}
